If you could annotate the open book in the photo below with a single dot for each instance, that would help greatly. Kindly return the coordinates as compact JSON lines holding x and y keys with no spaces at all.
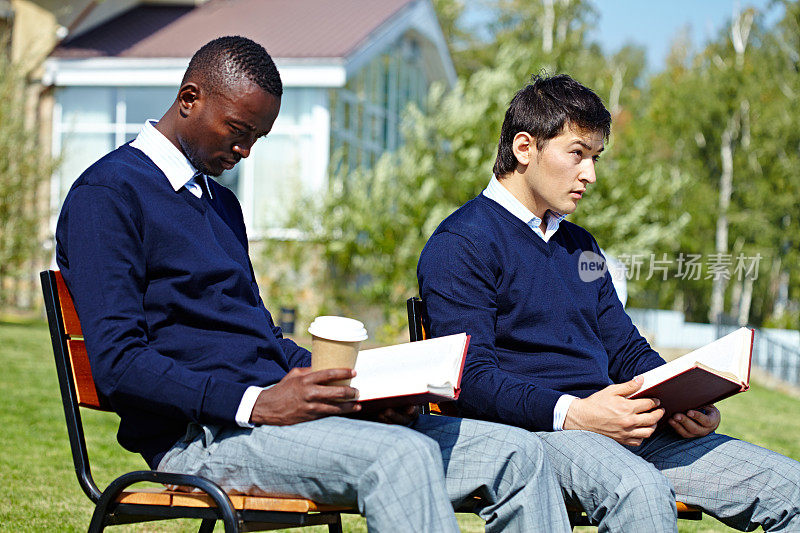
{"x":411,"y":373}
{"x":709,"y":374}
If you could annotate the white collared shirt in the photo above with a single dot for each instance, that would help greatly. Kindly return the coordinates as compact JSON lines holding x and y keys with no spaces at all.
{"x":495,"y":191}
{"x":181,"y":173}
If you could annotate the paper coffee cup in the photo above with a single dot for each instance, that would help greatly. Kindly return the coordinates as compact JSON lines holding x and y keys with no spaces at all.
{"x":335,"y":341}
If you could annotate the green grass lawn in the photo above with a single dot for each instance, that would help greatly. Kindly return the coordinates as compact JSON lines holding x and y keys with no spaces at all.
{"x":39,"y":490}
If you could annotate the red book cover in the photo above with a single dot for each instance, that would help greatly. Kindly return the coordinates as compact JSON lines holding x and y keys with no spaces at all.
{"x":691,"y":389}
{"x":705,"y":376}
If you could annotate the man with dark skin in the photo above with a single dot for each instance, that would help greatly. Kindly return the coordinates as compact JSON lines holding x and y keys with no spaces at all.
{"x":155,"y":254}
{"x":215,"y":134}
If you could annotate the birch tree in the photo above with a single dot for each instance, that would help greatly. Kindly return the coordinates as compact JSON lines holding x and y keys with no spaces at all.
{"x":740,"y":32}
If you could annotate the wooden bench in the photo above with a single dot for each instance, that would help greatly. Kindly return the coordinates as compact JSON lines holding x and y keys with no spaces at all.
{"x":418,"y":327}
{"x":121,"y":504}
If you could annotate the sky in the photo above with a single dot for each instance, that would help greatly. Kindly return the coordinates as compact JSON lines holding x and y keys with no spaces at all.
{"x":654,"y":24}
{"x":651,"y":23}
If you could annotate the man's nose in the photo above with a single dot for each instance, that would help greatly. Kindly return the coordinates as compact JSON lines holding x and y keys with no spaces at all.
{"x":587,"y":174}
{"x":243,"y":147}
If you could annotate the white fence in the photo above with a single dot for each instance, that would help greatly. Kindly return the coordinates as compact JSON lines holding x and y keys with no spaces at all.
{"x":776,"y":351}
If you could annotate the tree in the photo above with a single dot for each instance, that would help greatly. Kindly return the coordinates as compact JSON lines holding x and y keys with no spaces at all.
{"x":374,"y":223}
{"x":775,"y":160}
{"x":700,"y":163}
{"x":716,"y":120}
{"x":22,"y":167}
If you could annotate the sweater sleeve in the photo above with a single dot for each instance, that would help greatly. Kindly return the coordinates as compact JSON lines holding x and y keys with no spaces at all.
{"x":297,"y":356}
{"x":461,"y":296}
{"x":100,"y":252}
{"x":629,"y":354}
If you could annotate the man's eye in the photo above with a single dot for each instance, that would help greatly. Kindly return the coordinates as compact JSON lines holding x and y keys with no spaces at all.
{"x":596,"y":158}
{"x":236,"y":130}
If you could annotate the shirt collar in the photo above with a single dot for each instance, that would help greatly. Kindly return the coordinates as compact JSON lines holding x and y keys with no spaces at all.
{"x":495,"y":191}
{"x":165,"y":155}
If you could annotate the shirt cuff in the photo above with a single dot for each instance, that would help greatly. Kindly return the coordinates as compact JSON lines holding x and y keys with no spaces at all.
{"x":246,"y":406}
{"x":560,"y":411}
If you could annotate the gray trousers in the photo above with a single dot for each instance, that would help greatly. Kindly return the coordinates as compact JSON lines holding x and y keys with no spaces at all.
{"x":399,"y":478}
{"x":633,"y":488}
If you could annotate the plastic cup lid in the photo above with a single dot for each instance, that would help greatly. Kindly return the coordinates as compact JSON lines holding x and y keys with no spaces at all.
{"x":338,"y":328}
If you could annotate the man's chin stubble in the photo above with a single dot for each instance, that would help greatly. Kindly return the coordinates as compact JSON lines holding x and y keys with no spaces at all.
{"x":196,"y":162}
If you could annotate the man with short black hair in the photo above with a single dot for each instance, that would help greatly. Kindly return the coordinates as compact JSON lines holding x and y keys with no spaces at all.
{"x":551,"y":352}
{"x":155,"y":255}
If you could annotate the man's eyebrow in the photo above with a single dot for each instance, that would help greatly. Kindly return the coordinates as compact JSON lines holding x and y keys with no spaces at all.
{"x":578,"y":141}
{"x":242,"y":123}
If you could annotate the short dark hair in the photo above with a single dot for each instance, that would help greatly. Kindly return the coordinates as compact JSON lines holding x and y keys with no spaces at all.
{"x":226,"y":60}
{"x":542,"y":108}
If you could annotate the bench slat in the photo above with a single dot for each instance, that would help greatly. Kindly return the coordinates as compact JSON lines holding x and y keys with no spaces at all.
{"x":266,"y":503}
{"x":155,"y":496}
{"x":72,"y":325}
{"x":82,"y":375}
{"x":683,"y":508}
{"x":146,"y":497}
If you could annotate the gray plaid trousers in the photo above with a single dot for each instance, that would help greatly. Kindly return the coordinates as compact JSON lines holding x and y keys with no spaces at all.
{"x":627,"y":488}
{"x":399,"y":478}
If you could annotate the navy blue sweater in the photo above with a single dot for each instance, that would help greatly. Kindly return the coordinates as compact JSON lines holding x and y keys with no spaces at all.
{"x":537,"y":330}
{"x":162,"y":282}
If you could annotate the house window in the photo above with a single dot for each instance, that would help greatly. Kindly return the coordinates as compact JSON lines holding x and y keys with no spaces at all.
{"x":89,"y":122}
{"x":288,"y":164}
{"x":366,"y":114}
{"x":291,"y":161}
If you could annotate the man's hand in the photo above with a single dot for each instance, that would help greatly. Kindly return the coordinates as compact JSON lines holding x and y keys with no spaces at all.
{"x":696,"y":422}
{"x":610,"y":413}
{"x":303,"y":395}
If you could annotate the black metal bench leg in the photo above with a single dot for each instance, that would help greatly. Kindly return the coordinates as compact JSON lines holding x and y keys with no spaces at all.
{"x":208,"y":525}
{"x":98,"y":522}
{"x":336,"y":527}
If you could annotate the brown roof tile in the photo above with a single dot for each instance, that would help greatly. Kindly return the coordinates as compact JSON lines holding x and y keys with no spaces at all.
{"x":286,"y":28}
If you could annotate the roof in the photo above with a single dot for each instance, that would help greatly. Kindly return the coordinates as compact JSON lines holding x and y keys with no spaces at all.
{"x":286,"y":28}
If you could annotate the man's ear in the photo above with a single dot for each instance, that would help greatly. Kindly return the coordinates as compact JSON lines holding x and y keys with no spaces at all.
{"x":524,"y":147}
{"x":187,"y":98}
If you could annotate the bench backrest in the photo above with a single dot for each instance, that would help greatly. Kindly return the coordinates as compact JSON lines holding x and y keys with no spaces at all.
{"x":77,"y":360}
{"x":74,"y":373}
{"x":417,"y":319}
{"x":418,"y":330}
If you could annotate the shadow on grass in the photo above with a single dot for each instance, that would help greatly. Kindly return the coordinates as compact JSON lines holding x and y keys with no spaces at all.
{"x":25,"y":322}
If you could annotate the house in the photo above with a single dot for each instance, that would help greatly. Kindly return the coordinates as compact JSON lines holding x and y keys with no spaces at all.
{"x":98,"y":68}
{"x":349,"y":68}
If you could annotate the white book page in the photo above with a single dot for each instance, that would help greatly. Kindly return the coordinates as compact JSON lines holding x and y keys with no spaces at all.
{"x":731,"y":353}
{"x":727,"y":354}
{"x":410,"y":368}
